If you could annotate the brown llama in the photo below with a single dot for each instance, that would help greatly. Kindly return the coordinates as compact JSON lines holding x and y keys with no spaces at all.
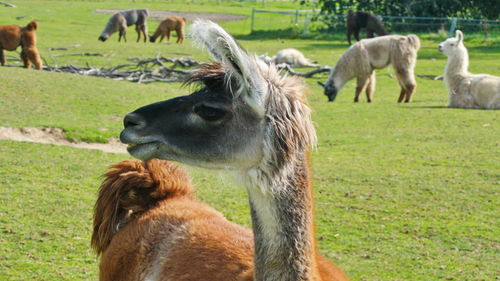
{"x":166,"y":27}
{"x":13,"y":36}
{"x":357,"y":20}
{"x":149,"y":226}
{"x":248,"y":118}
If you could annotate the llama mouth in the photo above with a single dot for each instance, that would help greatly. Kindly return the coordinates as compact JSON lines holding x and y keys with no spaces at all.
{"x":143,"y":151}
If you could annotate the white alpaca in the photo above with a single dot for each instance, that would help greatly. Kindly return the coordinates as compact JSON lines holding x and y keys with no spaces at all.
{"x":290,"y":56}
{"x":467,"y":90}
{"x":362,"y":58}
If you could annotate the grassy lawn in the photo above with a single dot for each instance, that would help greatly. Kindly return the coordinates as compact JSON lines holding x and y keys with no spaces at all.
{"x":403,"y":191}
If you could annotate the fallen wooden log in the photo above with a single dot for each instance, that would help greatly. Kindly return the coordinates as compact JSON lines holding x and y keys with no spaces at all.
{"x":8,"y":4}
{"x":80,"y":54}
{"x":308,"y":74}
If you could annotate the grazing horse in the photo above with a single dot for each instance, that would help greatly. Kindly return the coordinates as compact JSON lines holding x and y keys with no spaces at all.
{"x":120,"y":21}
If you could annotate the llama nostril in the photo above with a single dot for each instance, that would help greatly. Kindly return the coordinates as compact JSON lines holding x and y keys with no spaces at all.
{"x":133,"y":120}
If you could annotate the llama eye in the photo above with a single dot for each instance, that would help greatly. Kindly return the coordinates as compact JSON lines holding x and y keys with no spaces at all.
{"x":452,"y":44}
{"x":209,"y":113}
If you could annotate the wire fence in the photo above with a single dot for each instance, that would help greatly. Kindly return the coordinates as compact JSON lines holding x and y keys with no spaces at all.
{"x":310,"y":21}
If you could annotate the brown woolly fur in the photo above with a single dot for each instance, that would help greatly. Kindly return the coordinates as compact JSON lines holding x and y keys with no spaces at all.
{"x":166,"y":27}
{"x":357,"y":20}
{"x":208,"y":72}
{"x":13,"y":36}
{"x":129,"y":190}
{"x":149,"y":226}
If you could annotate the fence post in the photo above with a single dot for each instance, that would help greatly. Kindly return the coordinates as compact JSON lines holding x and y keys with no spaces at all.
{"x":452,"y":27}
{"x":296,"y":17}
{"x":306,"y":24}
{"x":252,"y":20}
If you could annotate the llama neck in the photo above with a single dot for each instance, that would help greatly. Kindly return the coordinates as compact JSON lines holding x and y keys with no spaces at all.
{"x":282,"y":218}
{"x":341,"y":74}
{"x":458,"y":63}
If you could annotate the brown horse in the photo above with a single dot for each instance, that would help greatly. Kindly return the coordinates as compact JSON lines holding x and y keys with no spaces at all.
{"x":357,"y":20}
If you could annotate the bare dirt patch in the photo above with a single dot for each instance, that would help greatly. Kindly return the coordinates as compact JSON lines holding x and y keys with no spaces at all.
{"x":190,"y":16}
{"x":57,"y":137}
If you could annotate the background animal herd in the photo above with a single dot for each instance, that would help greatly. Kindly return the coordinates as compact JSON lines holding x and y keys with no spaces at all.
{"x":333,"y":139}
{"x":358,"y":62}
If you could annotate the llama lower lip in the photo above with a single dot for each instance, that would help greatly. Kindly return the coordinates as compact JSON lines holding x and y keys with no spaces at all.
{"x":142,"y":151}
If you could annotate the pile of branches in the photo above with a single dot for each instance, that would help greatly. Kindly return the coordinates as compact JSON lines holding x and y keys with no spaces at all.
{"x":157,"y":69}
{"x":143,"y":71}
{"x":311,"y":73}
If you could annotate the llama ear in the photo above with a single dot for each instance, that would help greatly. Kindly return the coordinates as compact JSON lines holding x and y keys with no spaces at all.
{"x":226,"y":50}
{"x":459,"y":35}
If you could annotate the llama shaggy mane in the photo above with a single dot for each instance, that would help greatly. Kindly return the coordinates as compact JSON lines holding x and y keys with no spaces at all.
{"x":149,"y":226}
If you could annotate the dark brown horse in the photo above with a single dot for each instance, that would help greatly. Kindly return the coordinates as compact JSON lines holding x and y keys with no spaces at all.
{"x":357,"y":20}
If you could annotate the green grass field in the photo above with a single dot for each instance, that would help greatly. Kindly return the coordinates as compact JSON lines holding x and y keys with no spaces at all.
{"x":403,"y":191}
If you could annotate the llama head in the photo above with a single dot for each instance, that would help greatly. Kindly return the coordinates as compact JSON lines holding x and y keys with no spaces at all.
{"x":451,"y":45}
{"x":329,"y":89}
{"x":220,"y":124}
{"x":103,"y":37}
{"x":242,"y":115}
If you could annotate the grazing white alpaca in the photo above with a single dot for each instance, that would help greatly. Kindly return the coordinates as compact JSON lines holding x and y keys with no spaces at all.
{"x":467,"y":90}
{"x":363,"y":58}
{"x":290,"y":56}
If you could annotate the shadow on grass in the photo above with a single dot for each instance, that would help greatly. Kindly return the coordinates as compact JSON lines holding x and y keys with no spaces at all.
{"x":446,"y":107}
{"x":428,"y":106}
{"x":292,"y":33}
{"x":288,"y":33}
